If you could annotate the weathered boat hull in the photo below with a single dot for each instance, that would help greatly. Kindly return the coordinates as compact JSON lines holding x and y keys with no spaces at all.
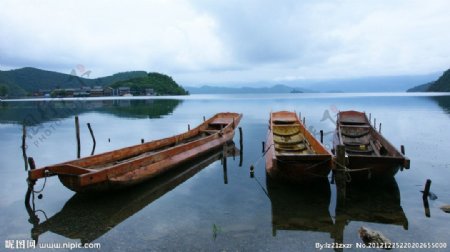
{"x":291,"y":165}
{"x":132,"y":165}
{"x":369,"y":155}
{"x":98,"y":214}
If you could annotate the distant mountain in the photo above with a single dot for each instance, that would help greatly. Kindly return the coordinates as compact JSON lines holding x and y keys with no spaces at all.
{"x":357,"y":85}
{"x":442,"y":84}
{"x":20,"y":82}
{"x":421,"y":88}
{"x":244,"y":90}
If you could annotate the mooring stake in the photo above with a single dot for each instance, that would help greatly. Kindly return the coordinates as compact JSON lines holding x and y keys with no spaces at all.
{"x":426,"y":191}
{"x":379,"y":129}
{"x":263,"y":146}
{"x":77,"y":132}
{"x":24,"y":145}
{"x":31,"y":163}
{"x":375,"y":123}
{"x":252,"y":171}
{"x":340,"y":177}
{"x":241,"y":147}
{"x":142,"y":140}
{"x":321,"y":136}
{"x":402,"y":149}
{"x":189,"y":127}
{"x":93,"y":138}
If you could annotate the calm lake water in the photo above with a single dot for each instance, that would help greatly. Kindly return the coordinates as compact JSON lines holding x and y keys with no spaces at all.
{"x":212,"y":208}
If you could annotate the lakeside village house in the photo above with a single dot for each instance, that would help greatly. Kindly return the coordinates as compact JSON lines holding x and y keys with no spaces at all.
{"x":95,"y":91}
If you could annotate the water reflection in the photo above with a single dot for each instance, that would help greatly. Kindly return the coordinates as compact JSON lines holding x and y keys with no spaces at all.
{"x":377,"y":201}
{"x":36,"y":112}
{"x":306,"y":208}
{"x":88,"y":217}
{"x":443,"y":102}
{"x":300,"y":207}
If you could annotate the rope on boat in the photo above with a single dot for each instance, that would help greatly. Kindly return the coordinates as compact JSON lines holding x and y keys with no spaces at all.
{"x":311,"y":167}
{"x":347,"y":171}
{"x":43,"y":186}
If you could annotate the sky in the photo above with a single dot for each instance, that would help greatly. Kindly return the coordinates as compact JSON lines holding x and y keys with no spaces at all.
{"x":201,"y":42}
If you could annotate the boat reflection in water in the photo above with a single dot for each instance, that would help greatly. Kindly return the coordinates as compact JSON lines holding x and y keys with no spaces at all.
{"x":376,"y":201}
{"x":87,"y":217}
{"x":306,"y":207}
{"x":300,"y":207}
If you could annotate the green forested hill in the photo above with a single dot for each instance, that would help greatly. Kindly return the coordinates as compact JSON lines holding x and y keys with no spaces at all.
{"x":160,"y":83}
{"x":440,"y":85}
{"x":20,"y":82}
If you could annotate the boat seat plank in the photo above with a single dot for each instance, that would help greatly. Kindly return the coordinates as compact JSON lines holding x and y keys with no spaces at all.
{"x":210,"y":131}
{"x":352,"y":143}
{"x":287,"y":130}
{"x":284,"y":120}
{"x":355,"y":126}
{"x":221,"y":121}
{"x":292,"y":139}
{"x":356,"y":134}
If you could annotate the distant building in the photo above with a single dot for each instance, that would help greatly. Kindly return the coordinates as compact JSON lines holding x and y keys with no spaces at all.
{"x":108,"y":91}
{"x":149,"y":91}
{"x":124,"y":91}
{"x":69,"y":92}
{"x":96,"y":91}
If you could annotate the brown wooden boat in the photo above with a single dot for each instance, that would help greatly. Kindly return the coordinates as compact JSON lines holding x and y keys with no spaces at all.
{"x":292,"y":152}
{"x":131,"y":165}
{"x":369,"y":154}
{"x":87,"y":217}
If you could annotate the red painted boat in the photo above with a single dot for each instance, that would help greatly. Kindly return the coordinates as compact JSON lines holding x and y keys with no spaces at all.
{"x":131,"y":165}
{"x":368,"y":153}
{"x":292,"y":152}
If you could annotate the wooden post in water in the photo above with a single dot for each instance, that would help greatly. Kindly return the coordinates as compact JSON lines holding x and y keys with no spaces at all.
{"x":370,"y":117}
{"x":426,"y":191}
{"x":189,"y":127}
{"x":379,"y":129}
{"x":31,"y":163}
{"x":252,"y":171}
{"x":321,"y":136}
{"x":402,"y":149}
{"x":224,"y":156}
{"x":77,"y":132}
{"x":93,"y":138}
{"x":24,"y":145}
{"x":204,"y":119}
{"x":375,"y":123}
{"x":241,"y":147}
{"x":263,"y":146}
{"x":304,"y":121}
{"x":142,"y":140}
{"x":341,"y":182}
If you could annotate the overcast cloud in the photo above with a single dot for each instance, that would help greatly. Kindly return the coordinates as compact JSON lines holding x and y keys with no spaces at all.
{"x":206,"y":42}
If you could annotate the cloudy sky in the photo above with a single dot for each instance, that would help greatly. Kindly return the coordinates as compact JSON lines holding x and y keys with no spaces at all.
{"x":228,"y":41}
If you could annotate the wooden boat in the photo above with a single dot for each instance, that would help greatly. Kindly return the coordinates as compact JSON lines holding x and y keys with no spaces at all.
{"x":87,"y":217}
{"x":369,"y":154}
{"x":292,"y":152}
{"x":131,"y":165}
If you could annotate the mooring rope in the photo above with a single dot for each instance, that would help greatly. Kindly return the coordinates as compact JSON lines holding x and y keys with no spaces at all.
{"x":43,"y":186}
